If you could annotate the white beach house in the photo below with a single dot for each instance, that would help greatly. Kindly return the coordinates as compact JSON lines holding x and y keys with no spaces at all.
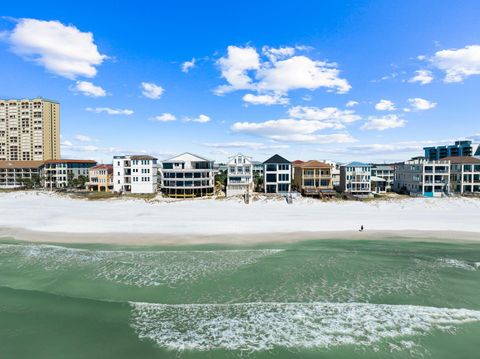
{"x":188,"y":175}
{"x":239,"y":175}
{"x":277,"y":173}
{"x":421,"y":177}
{"x":464,"y":174}
{"x":135,"y":174}
{"x":382,"y":178}
{"x":356,"y":179}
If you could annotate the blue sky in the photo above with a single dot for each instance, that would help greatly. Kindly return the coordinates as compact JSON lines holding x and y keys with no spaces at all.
{"x":351,"y":80}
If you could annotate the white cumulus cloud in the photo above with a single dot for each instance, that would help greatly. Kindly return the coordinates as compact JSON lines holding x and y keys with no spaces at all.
{"x":110,"y":111}
{"x":199,"y":119}
{"x":385,"y":105}
{"x":420,"y":104}
{"x":351,"y":103}
{"x":383,"y":123}
{"x":151,"y":90}
{"x":301,"y":72}
{"x":458,"y":64}
{"x":61,"y":49}
{"x":276,"y":71}
{"x":423,"y":77}
{"x":165,"y":117}
{"x":268,"y":100}
{"x":88,"y":89}
{"x":274,"y":54}
{"x":234,"y":68}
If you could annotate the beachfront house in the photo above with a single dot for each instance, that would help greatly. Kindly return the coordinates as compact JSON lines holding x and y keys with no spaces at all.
{"x":277,"y":175}
{"x":313,"y":178}
{"x":100,"y":178}
{"x":464,"y":174}
{"x":16,"y":174}
{"x":382,"y":178}
{"x":335,"y":171}
{"x":187,"y":176}
{"x":421,"y":177}
{"x":135,"y":174}
{"x":355,"y":179}
{"x":60,"y":173}
{"x":239,"y":175}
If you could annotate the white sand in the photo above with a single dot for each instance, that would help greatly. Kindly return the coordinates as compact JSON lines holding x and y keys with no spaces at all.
{"x":53,"y":214}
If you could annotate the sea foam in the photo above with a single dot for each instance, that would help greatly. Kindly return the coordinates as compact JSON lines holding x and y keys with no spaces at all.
{"x":458,"y":264}
{"x":135,"y":268}
{"x":264,"y":326}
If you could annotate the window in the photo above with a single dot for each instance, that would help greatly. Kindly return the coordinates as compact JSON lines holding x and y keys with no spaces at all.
{"x":271,"y":168}
{"x":271,"y":177}
{"x":283,"y":167}
{"x":283,"y":187}
{"x":271,"y":188}
{"x":284,"y":177}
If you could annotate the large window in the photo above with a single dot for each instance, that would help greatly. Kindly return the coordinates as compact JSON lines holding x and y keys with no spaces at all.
{"x":271,"y":177}
{"x":283,"y":187}
{"x":271,"y":188}
{"x":271,"y":168}
{"x":284,"y":177}
{"x":308,"y":183}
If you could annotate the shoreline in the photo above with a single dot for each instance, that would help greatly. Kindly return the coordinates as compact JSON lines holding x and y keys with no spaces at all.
{"x":175,"y":239}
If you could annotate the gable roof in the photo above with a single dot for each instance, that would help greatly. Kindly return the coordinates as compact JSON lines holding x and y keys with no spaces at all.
{"x":462,"y":159}
{"x":277,"y":159}
{"x":477,"y":152}
{"x":187,"y":156}
{"x":313,"y":163}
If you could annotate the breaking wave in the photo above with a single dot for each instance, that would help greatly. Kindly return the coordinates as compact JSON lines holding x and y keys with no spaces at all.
{"x":458,"y":264}
{"x":265,"y":326}
{"x":134,"y":268}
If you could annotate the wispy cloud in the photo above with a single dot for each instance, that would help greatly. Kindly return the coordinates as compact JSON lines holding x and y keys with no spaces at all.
{"x":188,"y":65}
{"x":88,"y":89}
{"x":110,"y":111}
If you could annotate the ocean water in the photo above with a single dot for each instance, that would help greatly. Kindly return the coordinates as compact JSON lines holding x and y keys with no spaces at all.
{"x":315,"y":299}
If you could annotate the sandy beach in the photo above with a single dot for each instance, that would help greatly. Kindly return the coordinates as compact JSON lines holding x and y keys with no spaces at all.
{"x":49,"y":217}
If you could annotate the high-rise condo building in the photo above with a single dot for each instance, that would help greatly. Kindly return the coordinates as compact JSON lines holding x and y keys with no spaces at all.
{"x":29,"y":130}
{"x":460,"y":148}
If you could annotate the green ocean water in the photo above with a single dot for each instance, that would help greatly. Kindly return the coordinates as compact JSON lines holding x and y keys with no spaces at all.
{"x":315,"y":299}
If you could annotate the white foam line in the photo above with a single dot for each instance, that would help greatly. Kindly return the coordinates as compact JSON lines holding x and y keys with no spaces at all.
{"x":135,"y":268}
{"x":265,"y":326}
{"x":458,"y":264}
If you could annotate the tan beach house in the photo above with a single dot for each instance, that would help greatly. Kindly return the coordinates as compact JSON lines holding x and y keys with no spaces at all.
{"x":100,"y":178}
{"x":313,"y":178}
